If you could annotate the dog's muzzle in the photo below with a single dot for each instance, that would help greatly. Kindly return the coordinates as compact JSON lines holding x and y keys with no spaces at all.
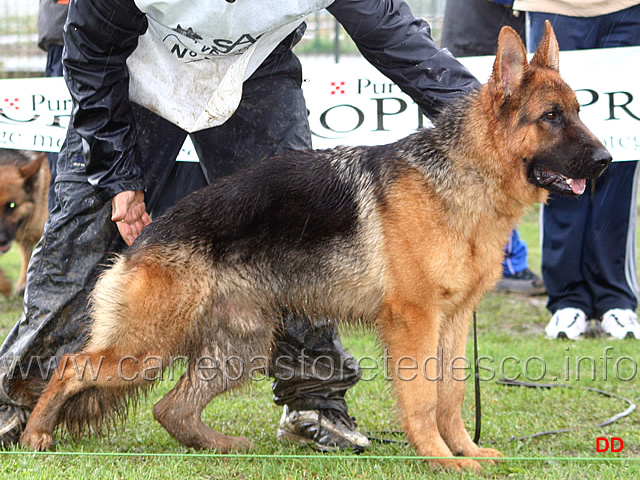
{"x":573,"y":184}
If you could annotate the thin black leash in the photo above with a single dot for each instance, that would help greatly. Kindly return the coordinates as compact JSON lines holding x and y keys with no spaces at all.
{"x":514,"y":383}
{"x":476,"y":382}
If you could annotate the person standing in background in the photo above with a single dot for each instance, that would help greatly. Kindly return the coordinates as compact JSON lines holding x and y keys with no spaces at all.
{"x":51,"y":17}
{"x":588,"y":243}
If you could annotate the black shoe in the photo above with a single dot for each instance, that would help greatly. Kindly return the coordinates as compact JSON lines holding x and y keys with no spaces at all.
{"x":525,"y":282}
{"x":327,"y":430}
{"x":12,"y":422}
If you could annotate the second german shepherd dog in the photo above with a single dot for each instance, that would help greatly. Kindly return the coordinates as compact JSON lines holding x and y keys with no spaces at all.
{"x":24,"y":187}
{"x":409,"y":235}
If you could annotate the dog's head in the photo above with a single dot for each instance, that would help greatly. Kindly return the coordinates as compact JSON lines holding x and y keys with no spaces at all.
{"x":18,"y":173}
{"x":558,"y":152}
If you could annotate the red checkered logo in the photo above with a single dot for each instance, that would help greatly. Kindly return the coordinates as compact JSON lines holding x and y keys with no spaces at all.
{"x":11,"y":104}
{"x":337,"y":88}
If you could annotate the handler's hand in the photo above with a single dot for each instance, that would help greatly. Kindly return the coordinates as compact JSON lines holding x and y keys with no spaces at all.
{"x":129,"y":214}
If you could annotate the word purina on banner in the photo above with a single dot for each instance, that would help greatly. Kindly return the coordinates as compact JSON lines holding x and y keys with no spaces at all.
{"x":351,"y":103}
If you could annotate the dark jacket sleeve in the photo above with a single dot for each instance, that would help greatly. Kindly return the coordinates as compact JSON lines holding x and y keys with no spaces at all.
{"x":400,"y":46}
{"x":99,"y":35}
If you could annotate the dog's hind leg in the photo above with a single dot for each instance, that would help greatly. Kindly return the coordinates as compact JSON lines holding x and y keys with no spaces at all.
{"x":219,"y":367}
{"x":180,"y":411}
{"x":452,"y":343}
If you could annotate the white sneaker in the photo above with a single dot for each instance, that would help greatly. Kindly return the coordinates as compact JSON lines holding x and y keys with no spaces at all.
{"x":621,"y":323}
{"x":327,"y":429}
{"x":568,"y":323}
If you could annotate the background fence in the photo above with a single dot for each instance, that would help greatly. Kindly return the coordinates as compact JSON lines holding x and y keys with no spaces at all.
{"x":19,"y":52}
{"x":21,"y":57}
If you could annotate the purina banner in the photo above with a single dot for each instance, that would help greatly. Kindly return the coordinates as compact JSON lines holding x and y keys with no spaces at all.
{"x":352,"y":103}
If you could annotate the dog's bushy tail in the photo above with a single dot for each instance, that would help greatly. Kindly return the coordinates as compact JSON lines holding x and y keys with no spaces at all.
{"x":97,"y":410}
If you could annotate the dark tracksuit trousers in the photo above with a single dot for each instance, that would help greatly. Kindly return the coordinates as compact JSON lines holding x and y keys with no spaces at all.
{"x":79,"y":239}
{"x":588,"y":243}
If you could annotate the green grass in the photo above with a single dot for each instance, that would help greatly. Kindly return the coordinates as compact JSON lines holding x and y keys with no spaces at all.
{"x":509,"y":326}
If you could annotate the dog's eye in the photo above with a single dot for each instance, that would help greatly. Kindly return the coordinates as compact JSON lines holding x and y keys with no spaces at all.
{"x":11,"y":205}
{"x":551,"y":116}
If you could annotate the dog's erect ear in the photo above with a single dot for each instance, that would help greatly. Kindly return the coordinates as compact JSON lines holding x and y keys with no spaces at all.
{"x":548,"y":54}
{"x":510,"y":65}
{"x":31,"y":168}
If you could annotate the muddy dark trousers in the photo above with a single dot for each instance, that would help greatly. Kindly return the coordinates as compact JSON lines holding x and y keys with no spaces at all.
{"x":312,"y":370}
{"x":80,"y":238}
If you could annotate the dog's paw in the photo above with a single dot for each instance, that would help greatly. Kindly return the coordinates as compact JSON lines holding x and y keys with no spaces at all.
{"x":490,"y":453}
{"x":38,"y":441}
{"x":457,"y":464}
{"x":236,"y":445}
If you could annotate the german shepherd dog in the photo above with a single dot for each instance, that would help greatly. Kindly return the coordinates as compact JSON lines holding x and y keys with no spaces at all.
{"x":409,"y":235}
{"x":24,"y":188}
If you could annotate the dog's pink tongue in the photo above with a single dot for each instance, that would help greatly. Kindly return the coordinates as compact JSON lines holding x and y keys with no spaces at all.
{"x":578,"y":186}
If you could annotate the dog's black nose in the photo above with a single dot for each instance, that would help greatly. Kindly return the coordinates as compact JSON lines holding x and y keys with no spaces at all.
{"x":602,"y":157}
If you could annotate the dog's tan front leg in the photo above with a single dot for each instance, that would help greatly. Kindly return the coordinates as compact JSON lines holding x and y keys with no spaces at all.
{"x":451,"y":387}
{"x":411,"y":335}
{"x":25,"y":255}
{"x":5,"y":284}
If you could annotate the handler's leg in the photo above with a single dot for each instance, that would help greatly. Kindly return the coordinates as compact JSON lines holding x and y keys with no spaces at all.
{"x":313,"y":371}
